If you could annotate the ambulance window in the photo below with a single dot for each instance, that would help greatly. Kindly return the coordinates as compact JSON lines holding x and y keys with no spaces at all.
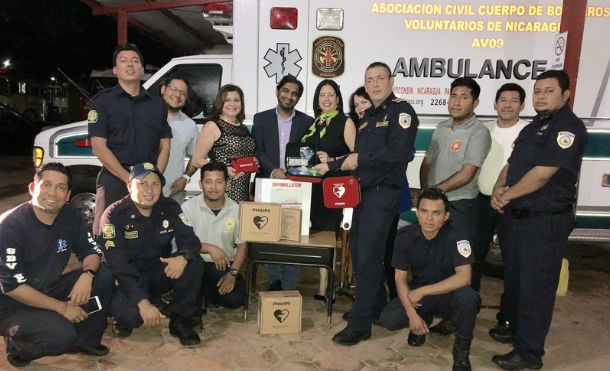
{"x":204,"y":82}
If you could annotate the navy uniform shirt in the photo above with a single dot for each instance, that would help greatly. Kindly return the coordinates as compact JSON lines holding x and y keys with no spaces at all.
{"x":134,"y":242}
{"x":34,"y":253}
{"x":558,"y":141}
{"x":430,"y":261}
{"x":132,"y":126}
{"x":384,"y":143}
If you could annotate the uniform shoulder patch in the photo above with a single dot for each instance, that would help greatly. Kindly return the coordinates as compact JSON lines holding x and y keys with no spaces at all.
{"x":404,"y":119}
{"x":108,"y":231}
{"x":185,"y":220}
{"x":565,"y":139}
{"x":463,"y":247}
{"x":92,"y":116}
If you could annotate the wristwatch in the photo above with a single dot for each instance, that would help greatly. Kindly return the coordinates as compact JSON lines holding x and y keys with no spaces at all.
{"x":90,"y":271}
{"x":187,"y":177}
{"x":233,"y":272}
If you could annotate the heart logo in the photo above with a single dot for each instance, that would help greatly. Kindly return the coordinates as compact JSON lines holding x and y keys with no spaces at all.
{"x":260,"y":221}
{"x":281,"y":315}
{"x":339,"y":190}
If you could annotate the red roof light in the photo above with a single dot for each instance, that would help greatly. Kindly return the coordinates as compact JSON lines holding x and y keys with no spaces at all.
{"x":284,"y":18}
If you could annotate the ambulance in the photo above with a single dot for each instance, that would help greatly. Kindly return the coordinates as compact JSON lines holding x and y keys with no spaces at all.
{"x":426,"y":43}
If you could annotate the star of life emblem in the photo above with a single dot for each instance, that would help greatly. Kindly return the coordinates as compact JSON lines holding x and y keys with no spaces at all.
{"x":282,"y":62}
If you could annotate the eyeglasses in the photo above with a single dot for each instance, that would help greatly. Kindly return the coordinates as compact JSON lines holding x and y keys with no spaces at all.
{"x":175,"y":90}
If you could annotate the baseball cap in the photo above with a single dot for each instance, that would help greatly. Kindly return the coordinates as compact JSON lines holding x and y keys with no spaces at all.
{"x":141,"y":170}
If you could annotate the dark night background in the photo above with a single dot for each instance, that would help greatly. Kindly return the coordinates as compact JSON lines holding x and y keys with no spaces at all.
{"x":39,"y":36}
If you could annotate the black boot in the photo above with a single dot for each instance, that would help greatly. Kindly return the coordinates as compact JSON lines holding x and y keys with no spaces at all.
{"x":461,"y":354}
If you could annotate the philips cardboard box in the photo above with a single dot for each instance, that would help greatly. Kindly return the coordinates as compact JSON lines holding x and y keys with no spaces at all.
{"x":259,"y":221}
{"x":294,"y":195}
{"x":279,"y":312}
{"x":290,"y":228}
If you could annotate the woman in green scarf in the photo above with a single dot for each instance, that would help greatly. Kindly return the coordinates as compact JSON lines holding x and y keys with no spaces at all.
{"x":333,"y":135}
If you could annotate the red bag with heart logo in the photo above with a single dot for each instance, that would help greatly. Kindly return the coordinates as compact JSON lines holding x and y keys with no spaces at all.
{"x":341,"y":192}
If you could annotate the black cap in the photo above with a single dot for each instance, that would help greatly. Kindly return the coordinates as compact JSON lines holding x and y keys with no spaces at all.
{"x":141,"y":170}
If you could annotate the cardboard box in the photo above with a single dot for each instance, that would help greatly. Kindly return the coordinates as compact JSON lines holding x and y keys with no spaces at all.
{"x":290,"y":228}
{"x":259,"y":222}
{"x":279,"y":312}
{"x":295,"y":195}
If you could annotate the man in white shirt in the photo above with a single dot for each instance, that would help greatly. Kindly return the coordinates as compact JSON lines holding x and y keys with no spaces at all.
{"x":184,"y":138}
{"x":215,"y":220}
{"x":504,"y":130}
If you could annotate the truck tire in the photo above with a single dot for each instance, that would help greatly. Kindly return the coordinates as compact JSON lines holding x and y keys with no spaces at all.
{"x":84,"y":201}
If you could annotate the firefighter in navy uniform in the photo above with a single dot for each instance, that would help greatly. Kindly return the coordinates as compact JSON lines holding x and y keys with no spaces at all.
{"x":439,"y":257}
{"x":40,"y":313}
{"x":137,"y":232}
{"x":384,"y":143}
{"x":127,"y":125}
{"x":537,"y":192}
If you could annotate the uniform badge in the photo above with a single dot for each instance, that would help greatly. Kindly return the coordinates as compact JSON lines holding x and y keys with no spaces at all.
{"x":108,"y":245}
{"x":362,"y":126}
{"x":92,"y":116}
{"x":463,"y":247}
{"x":165,"y":224}
{"x":404,"y":119}
{"x":185,"y":220}
{"x":130,"y":235}
{"x":148,"y":166}
{"x":108,"y":231}
{"x":62,"y":245}
{"x":565,"y":139}
{"x":455,"y":146}
{"x":229,"y":224}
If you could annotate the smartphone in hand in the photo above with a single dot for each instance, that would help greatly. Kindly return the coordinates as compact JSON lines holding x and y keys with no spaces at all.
{"x":93,"y":305}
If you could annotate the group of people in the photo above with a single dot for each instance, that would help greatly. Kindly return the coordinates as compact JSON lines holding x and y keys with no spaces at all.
{"x":152,"y":254}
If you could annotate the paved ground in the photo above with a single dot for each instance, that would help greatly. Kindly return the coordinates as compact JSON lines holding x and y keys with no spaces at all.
{"x":579,"y":340}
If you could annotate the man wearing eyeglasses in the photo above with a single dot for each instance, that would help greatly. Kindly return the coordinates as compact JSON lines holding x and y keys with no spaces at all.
{"x":184,"y":138}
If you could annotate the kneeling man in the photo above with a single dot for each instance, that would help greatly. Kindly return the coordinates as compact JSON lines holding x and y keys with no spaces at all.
{"x":440,"y":261}
{"x":41,"y":298}
{"x":215,"y":219}
{"x":137,"y":232}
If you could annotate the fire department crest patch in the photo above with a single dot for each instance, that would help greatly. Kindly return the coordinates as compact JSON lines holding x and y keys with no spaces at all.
{"x":463,"y":247}
{"x":565,"y":139}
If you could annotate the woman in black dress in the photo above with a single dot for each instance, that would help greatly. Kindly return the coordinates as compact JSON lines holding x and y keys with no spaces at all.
{"x":333,"y":135}
{"x":225,"y":136}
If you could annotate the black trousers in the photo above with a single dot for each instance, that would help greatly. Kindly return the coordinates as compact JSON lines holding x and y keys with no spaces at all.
{"x":487,"y":223}
{"x":533,"y":254}
{"x":462,"y":305}
{"x":464,"y":215}
{"x":370,"y":228}
{"x":154,"y":281}
{"x":108,"y":189}
{"x":209,"y":290}
{"x":32,"y":333}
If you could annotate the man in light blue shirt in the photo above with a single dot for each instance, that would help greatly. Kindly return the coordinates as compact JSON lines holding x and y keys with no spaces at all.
{"x":184,"y":138}
{"x":215,"y":220}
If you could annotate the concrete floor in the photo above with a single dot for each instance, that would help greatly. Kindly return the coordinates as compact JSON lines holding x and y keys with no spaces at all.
{"x":578,"y":340}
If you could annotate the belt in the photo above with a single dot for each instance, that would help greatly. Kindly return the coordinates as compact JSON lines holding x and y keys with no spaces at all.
{"x":378,"y":187}
{"x":528,"y":213}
